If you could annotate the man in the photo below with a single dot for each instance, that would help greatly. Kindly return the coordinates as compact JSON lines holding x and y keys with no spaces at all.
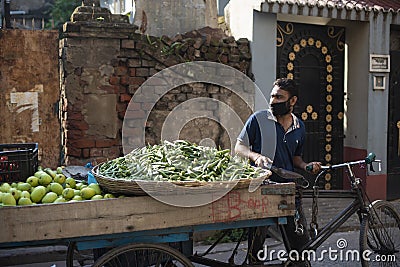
{"x":288,"y":134}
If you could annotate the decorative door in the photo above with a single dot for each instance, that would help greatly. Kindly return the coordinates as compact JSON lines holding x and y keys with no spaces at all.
{"x":314,"y":57}
{"x":393,"y":143}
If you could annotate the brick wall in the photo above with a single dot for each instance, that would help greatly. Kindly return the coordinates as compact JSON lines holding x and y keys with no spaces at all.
{"x":104,"y":62}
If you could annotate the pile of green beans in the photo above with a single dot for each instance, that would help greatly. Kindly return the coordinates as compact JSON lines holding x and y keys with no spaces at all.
{"x":179,"y":161}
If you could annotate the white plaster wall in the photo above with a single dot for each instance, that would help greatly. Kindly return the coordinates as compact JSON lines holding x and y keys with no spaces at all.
{"x":260,"y":29}
{"x":264,"y":55}
{"x":356,"y":85}
{"x":379,"y":40}
{"x":239,"y":18}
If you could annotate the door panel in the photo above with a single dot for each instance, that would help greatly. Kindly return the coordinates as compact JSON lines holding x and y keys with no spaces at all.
{"x":314,"y":57}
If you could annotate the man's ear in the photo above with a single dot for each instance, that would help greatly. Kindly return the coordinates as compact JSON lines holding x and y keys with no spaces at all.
{"x":293,"y":100}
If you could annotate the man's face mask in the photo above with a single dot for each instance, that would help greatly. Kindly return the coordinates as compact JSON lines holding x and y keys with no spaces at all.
{"x":280,"y":109}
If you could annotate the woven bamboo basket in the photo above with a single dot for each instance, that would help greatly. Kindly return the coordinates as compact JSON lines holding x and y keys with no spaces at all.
{"x":139,"y":187}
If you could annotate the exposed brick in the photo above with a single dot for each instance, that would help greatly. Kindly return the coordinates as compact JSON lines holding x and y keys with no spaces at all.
{"x":235,"y":51}
{"x":142,"y":72}
{"x":77,"y":124}
{"x":181,"y":97}
{"x":83,"y":143}
{"x":124,"y":80}
{"x":121,"y":70}
{"x":120,"y":89}
{"x":121,"y":115}
{"x":112,"y":152}
{"x":132,"y":88}
{"x":72,"y":151}
{"x":172,"y":105}
{"x":136,"y":80}
{"x":96,"y":152}
{"x":121,"y":107}
{"x":74,"y":116}
{"x":234,"y":58}
{"x":75,"y":134}
{"x":99,"y":160}
{"x":152,"y":71}
{"x":106,"y":142}
{"x":134,"y":62}
{"x":113,"y":80}
{"x":199,"y":42}
{"x":161,"y":105}
{"x":75,"y":161}
{"x":223,"y":59}
{"x":86,"y":152}
{"x":212,"y":89}
{"x":148,"y":63}
{"x":125,"y":98}
{"x":109,"y":88}
{"x":132,"y":72}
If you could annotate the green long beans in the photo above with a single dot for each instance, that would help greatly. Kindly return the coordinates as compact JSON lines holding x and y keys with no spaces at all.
{"x":179,"y":161}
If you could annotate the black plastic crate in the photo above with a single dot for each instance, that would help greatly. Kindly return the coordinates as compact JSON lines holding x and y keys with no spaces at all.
{"x":18,"y":161}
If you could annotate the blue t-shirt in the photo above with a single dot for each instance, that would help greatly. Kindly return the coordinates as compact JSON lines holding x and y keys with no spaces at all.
{"x":264,"y":135}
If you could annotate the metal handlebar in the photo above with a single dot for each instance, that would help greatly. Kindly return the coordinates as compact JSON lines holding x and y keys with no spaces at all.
{"x":368,"y":160}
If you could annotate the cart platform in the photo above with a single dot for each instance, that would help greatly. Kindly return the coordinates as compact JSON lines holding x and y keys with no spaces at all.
{"x":133,"y":214}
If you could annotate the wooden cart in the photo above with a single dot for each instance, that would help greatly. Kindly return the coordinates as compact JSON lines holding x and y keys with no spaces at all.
{"x":141,"y":220}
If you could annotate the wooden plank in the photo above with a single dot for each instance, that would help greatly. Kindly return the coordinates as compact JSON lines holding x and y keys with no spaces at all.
{"x":110,"y":216}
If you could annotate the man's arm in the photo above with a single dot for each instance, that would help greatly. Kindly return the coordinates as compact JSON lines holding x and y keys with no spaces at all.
{"x":245,"y":152}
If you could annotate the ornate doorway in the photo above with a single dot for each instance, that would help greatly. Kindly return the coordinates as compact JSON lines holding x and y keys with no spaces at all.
{"x":314,"y":57}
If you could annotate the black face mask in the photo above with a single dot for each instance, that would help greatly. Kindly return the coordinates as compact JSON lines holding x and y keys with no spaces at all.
{"x":280,"y":109}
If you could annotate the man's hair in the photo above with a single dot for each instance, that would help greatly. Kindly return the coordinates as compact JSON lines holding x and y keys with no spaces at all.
{"x":288,"y":85}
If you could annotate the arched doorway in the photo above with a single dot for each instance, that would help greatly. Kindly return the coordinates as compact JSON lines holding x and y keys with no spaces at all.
{"x":314,"y":57}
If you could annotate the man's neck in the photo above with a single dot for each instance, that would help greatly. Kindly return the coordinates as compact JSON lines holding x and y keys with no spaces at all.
{"x":285,"y":120}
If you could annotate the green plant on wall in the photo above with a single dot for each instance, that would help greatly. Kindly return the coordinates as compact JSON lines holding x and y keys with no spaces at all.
{"x":61,"y":12}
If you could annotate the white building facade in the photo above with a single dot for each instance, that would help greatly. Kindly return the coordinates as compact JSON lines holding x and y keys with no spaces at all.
{"x":344,"y":56}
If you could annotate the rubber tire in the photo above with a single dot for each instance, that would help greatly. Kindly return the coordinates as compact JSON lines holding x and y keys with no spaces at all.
{"x":127,"y":250}
{"x":381,"y":213}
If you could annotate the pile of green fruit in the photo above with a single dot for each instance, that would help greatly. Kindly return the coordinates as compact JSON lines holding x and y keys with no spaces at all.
{"x":49,"y":186}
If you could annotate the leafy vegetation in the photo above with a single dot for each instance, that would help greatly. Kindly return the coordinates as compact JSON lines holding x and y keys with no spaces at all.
{"x":61,"y":12}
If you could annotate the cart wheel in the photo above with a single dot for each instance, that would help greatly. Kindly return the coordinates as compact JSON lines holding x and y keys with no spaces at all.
{"x":141,"y":255}
{"x":83,"y":258}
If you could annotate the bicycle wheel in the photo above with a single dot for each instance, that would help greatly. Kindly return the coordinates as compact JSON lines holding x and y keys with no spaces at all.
{"x":143,"y":255}
{"x":380,"y":236}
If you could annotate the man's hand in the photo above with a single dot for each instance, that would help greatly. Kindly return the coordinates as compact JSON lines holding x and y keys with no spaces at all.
{"x":262,"y":161}
{"x":315,"y":167}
